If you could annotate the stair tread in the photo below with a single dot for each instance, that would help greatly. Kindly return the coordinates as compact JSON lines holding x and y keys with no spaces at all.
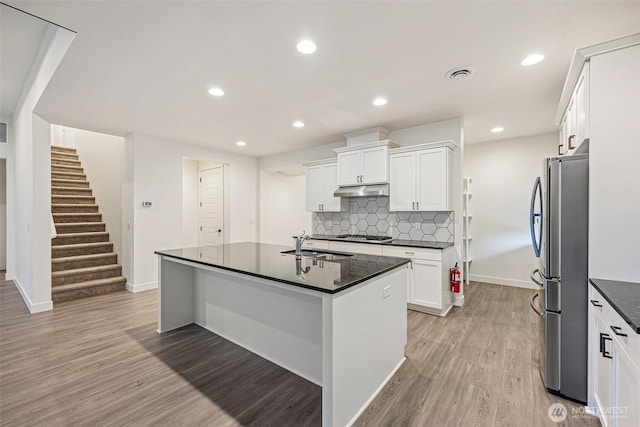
{"x":82,"y":257}
{"x":76,"y":224}
{"x":78,"y":245}
{"x":88,"y":284}
{"x":85,"y":233}
{"x":73,"y":204}
{"x":74,"y":196}
{"x":83,"y":270}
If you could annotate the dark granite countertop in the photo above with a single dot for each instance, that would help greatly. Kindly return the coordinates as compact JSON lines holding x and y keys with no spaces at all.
{"x":624,"y":297}
{"x":268,"y":262}
{"x":394,"y":242}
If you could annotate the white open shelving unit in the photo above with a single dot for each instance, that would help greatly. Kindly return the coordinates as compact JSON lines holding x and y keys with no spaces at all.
{"x":466,"y":230}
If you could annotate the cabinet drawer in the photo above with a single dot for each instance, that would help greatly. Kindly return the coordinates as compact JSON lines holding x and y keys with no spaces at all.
{"x":599,"y":305}
{"x":356,"y":248}
{"x":315,"y":244}
{"x":413,"y":253}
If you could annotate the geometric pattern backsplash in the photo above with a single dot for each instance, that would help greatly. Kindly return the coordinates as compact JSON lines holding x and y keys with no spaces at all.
{"x":370,"y":215}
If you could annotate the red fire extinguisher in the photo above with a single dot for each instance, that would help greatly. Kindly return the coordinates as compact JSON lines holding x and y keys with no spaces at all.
{"x":454,"y":279}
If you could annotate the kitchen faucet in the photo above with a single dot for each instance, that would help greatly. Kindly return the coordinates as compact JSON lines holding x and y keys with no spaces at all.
{"x":299,"y":239}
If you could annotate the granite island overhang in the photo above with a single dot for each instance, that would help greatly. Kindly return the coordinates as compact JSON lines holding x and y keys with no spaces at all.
{"x":339,"y":321}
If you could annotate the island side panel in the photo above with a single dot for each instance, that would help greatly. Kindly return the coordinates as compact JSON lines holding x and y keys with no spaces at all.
{"x":280,"y":324}
{"x":175,"y":294}
{"x":364,"y":335}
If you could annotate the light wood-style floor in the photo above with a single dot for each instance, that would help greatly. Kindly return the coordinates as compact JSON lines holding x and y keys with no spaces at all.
{"x":99,"y":362}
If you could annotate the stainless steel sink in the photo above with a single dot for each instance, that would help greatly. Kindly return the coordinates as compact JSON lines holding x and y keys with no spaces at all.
{"x":323,"y":256}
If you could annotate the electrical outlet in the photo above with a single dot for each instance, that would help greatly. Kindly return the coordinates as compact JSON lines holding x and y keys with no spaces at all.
{"x":416,"y":225}
{"x":386,"y":291}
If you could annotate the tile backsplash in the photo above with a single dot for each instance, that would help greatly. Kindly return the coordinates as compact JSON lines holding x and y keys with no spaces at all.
{"x":370,"y":215}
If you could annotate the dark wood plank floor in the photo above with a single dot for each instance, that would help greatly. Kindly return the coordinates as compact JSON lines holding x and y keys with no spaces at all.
{"x":99,"y":361}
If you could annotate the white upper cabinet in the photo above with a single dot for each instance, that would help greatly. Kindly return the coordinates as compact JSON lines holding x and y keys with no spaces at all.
{"x":574,"y":126}
{"x":420,"y":178}
{"x":358,"y":165}
{"x":321,"y":180}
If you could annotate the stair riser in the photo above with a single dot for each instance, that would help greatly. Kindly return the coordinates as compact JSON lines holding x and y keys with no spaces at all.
{"x":74,"y":209}
{"x":83,"y":263}
{"x":86,"y":276}
{"x":68,"y":176}
{"x":69,"y":184}
{"x":65,"y":162}
{"x":61,"y":251}
{"x":66,"y":169}
{"x":57,"y":199}
{"x":80,"y":228}
{"x":59,"y":218}
{"x":73,"y":239}
{"x":57,"y":191}
{"x":87,"y":292}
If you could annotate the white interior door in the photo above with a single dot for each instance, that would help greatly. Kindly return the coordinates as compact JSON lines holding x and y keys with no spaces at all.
{"x":211,"y":209}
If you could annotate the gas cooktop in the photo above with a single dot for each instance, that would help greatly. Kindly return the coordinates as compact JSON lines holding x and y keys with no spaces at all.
{"x":364,"y":237}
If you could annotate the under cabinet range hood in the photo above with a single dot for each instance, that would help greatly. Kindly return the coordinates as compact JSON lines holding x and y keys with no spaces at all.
{"x":363,"y":191}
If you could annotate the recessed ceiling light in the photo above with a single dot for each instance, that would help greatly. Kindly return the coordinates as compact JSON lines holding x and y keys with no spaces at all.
{"x":379,"y":101}
{"x":532,"y":59}
{"x":241,"y":143}
{"x":497,"y":129}
{"x":306,"y":46}
{"x":216,"y":91}
{"x":298,"y":124}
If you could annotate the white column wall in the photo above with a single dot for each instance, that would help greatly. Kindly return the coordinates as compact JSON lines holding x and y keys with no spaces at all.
{"x":503,"y":174}
{"x":29,"y":219}
{"x":157,"y":177}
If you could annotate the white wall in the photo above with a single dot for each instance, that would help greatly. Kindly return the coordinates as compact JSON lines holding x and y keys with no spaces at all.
{"x":157,"y":177}
{"x":29,"y":209}
{"x":503,"y":174}
{"x":614,"y":166}
{"x":3,"y":214}
{"x":190,"y":175}
{"x":282,"y":210}
{"x":103,"y":158}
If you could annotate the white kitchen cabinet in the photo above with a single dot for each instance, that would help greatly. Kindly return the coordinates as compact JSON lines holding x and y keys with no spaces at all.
{"x":366,"y":164}
{"x":614,"y":371}
{"x":315,"y":245}
{"x":574,"y":126}
{"x":420,"y":178}
{"x":426,"y":283}
{"x":357,"y":248}
{"x":321,"y":181}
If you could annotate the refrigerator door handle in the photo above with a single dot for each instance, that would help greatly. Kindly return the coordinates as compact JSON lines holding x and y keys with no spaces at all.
{"x":537,"y":241}
{"x":534,"y":306}
{"x":533,"y":278}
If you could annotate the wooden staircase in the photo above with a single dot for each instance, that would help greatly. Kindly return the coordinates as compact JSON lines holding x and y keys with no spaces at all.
{"x":82,"y":259}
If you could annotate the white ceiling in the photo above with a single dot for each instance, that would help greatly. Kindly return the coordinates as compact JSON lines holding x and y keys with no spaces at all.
{"x":146,"y":66}
{"x":20,"y":39}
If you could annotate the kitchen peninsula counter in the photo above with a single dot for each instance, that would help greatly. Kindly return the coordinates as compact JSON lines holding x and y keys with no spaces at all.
{"x":338,"y":320}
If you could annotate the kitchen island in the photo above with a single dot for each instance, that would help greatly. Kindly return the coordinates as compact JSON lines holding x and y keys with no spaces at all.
{"x":338,"y":320}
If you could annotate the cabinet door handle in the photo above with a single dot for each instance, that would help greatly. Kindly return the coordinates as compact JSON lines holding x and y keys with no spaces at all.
{"x":560,"y":147}
{"x":603,"y":345}
{"x":417,"y":206}
{"x":571,"y":138}
{"x":361,"y":178}
{"x":408,"y":253}
{"x":309,"y":244}
{"x":413,"y":206}
{"x":596,"y":303}
{"x":618,"y":331}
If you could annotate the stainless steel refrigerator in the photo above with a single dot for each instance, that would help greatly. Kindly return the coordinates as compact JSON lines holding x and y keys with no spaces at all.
{"x":559,"y":232}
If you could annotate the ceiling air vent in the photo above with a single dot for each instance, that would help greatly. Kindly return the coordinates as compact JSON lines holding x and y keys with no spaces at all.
{"x":3,"y":132}
{"x":459,"y":73}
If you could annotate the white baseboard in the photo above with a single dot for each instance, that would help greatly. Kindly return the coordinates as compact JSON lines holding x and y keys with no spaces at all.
{"x":142,"y":287}
{"x":502,"y":281}
{"x":375,"y":393}
{"x":33,"y":308}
